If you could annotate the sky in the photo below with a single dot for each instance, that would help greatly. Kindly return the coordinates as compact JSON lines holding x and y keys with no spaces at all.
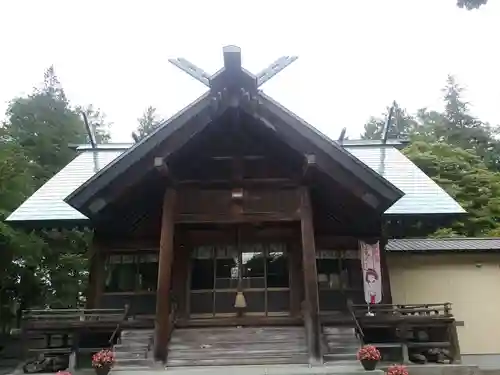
{"x":355,"y":57}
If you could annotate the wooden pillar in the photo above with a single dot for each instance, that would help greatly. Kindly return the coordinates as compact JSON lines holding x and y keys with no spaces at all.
{"x":296,"y":277}
{"x":166,"y":256}
{"x":455,"y":344}
{"x":386,"y":281}
{"x":96,"y":275}
{"x":180,"y":275}
{"x":311,"y":301}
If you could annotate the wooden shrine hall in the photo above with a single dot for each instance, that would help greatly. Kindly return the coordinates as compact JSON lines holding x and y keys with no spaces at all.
{"x":237,"y":213}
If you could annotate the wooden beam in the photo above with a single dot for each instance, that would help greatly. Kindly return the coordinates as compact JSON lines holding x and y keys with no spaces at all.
{"x":164,"y":276}
{"x":237,"y":217}
{"x":311,"y":302}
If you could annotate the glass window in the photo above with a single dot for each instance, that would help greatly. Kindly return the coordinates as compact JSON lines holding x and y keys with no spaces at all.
{"x":354,"y":274}
{"x":277,"y":270}
{"x":148,"y":272}
{"x":129,"y":273}
{"x":226,"y":268}
{"x":329,"y":276}
{"x":253,"y":272}
{"x":202,"y":268}
{"x":121,"y":274}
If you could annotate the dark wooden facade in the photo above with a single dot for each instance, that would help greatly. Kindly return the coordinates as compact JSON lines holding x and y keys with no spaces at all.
{"x":234,"y":211}
{"x":189,"y":233}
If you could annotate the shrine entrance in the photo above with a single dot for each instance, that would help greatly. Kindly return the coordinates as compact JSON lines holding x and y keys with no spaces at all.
{"x":239,"y":276}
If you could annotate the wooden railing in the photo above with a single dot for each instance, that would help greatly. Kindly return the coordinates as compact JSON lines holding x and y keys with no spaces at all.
{"x":73,"y":315}
{"x":417,"y":310}
{"x":118,"y":326}
{"x":359,"y":331}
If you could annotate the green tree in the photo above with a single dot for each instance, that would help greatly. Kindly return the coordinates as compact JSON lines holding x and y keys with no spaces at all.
{"x":44,"y":124}
{"x":42,"y":268}
{"x":401,"y":124}
{"x":464,"y":175}
{"x":148,"y":123}
{"x":471,"y":4}
{"x":456,"y":126}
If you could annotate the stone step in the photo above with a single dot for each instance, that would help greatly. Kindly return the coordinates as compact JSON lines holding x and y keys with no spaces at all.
{"x":130,"y":347}
{"x":338,"y":330}
{"x":131,"y":355}
{"x":136,"y":333}
{"x":231,"y":345}
{"x":334,"y":357}
{"x":131,"y":368}
{"x":330,"y":338}
{"x":342,"y":344}
{"x":342,"y":349}
{"x":136,"y":341}
{"x":299,"y":359}
{"x":235,"y":338}
{"x":208,"y":353}
{"x":123,"y":362}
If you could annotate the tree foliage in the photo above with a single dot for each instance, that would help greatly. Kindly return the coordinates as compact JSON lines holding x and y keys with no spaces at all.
{"x":460,"y":152}
{"x":148,"y":123}
{"x":45,"y":267}
{"x":471,"y":4}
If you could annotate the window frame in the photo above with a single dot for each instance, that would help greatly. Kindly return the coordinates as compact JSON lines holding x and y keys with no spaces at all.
{"x":136,"y":260}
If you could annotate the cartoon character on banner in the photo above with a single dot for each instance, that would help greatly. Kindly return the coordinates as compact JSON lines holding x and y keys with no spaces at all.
{"x":371,"y":278}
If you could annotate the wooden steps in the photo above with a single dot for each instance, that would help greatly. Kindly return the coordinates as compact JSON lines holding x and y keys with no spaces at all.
{"x":340,"y":344}
{"x":218,"y":346}
{"x":132,"y":353}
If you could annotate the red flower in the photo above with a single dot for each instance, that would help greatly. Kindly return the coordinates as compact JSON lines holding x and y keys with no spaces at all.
{"x":369,"y":352}
{"x":397,"y":370}
{"x":104,"y":358}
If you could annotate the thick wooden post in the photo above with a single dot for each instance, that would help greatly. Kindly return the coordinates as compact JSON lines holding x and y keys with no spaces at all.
{"x":164,"y":276}
{"x":96,"y":275}
{"x":386,"y":281}
{"x":311,"y":302}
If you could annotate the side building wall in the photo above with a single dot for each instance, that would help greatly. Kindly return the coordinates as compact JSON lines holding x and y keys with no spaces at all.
{"x":470,"y":282}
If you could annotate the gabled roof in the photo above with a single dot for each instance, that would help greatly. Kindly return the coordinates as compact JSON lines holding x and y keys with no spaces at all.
{"x":379,"y":174}
{"x":47,"y":204}
{"x":422,"y":195}
{"x":461,"y":244}
{"x":232,"y":88}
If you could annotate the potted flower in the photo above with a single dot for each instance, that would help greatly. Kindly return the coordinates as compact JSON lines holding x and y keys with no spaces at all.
{"x":369,"y":356}
{"x":397,"y":370}
{"x":103,"y":361}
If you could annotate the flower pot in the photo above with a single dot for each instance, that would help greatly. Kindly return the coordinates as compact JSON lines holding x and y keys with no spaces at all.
{"x":369,"y":364}
{"x":102,"y":370}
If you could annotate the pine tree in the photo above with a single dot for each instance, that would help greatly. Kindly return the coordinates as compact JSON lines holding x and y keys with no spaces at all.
{"x":401,"y":124}
{"x":471,"y":4}
{"x":148,"y":123}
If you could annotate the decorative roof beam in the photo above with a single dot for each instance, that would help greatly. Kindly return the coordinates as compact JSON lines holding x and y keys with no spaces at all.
{"x":191,"y":69}
{"x":232,"y":73}
{"x":266,"y":74}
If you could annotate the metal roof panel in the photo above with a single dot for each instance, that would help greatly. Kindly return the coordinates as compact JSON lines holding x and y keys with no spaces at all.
{"x":444,"y":244}
{"x":47,"y":203}
{"x":422,"y":194}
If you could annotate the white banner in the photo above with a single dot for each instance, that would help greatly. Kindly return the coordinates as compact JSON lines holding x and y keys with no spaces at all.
{"x":372,"y":276}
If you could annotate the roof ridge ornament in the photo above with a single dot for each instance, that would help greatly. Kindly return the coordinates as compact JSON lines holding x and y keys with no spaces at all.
{"x":233,"y":70}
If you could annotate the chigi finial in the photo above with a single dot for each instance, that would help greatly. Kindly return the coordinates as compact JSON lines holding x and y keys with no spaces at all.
{"x":232,"y":68}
